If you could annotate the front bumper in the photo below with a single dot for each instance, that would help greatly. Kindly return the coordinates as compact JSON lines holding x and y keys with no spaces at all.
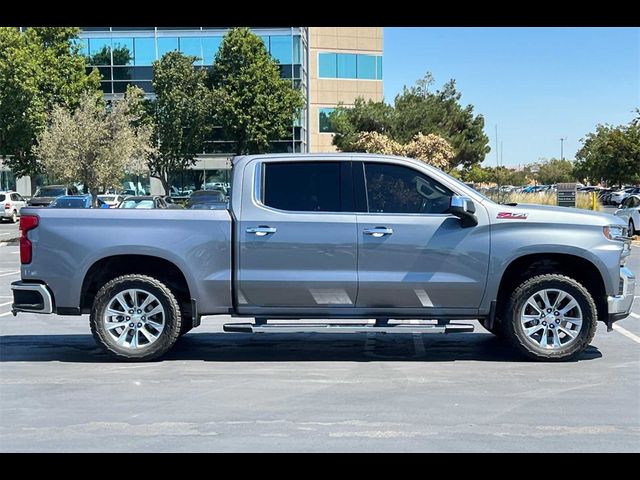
{"x":620,"y":305}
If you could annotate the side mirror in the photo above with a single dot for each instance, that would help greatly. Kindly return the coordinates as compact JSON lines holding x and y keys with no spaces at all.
{"x":464,"y":209}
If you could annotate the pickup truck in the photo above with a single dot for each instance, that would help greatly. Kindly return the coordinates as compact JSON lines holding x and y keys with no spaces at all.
{"x":320,"y":241}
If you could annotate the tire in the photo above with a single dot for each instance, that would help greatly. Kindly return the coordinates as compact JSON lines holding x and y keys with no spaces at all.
{"x":559,"y":331}
{"x":122,"y":348}
{"x":632,"y":228}
{"x":14,"y":217}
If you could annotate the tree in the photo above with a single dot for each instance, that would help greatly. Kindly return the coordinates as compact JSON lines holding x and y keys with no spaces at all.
{"x":610,"y":154}
{"x":431,"y":149}
{"x":93,"y":144}
{"x":555,"y":171}
{"x":181,"y":113}
{"x":253,"y":104}
{"x":417,"y":110}
{"x":40,"y":69}
{"x":22,"y":107}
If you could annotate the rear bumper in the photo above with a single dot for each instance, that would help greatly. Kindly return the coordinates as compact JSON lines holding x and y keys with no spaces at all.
{"x":31,"y":297}
{"x":620,"y":305}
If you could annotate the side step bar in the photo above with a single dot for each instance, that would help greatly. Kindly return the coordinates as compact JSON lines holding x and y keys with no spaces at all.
{"x":343,"y":328}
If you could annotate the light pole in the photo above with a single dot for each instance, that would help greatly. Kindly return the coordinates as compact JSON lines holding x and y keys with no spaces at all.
{"x":562,"y":139}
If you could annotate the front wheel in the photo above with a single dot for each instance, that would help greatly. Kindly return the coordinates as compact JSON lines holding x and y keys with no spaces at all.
{"x":135,"y":318}
{"x":550,"y":317}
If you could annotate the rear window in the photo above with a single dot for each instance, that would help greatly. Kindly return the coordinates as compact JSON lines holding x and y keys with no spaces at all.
{"x":50,"y":192}
{"x":302,"y":186}
{"x":68,"y":203}
{"x":107,"y":198}
{"x":137,"y":204}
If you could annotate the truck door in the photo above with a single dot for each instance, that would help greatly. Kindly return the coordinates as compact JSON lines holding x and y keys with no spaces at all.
{"x":413,"y":255}
{"x":297,"y":238}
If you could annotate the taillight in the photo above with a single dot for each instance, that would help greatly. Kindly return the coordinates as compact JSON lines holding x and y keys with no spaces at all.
{"x":27,"y":222}
{"x":7,"y":206}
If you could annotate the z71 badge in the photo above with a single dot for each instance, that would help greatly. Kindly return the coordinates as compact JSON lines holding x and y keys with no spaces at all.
{"x":512,"y":216}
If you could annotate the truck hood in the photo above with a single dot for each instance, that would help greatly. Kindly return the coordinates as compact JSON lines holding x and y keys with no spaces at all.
{"x":529,"y":212}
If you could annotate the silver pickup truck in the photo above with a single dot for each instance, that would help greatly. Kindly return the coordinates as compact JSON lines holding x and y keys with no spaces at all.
{"x":314,"y":240}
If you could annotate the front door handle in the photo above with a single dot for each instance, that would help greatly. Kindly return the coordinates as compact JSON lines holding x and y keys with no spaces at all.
{"x":378,"y":231}
{"x":262,"y":230}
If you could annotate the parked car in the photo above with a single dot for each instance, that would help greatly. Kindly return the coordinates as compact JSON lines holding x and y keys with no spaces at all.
{"x":337,"y":236}
{"x":171,"y":203}
{"x":629,"y":211}
{"x":76,"y":201}
{"x":207,"y":200}
{"x":13,"y":203}
{"x":143,"y":202}
{"x":618,"y":196}
{"x":113,"y":200}
{"x":45,"y":195}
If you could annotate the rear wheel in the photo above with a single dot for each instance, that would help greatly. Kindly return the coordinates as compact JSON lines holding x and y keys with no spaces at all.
{"x":550,"y":317}
{"x":14,"y":217}
{"x":135,"y":318}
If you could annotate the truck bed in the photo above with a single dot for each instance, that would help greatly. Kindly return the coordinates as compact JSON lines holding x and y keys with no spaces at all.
{"x":68,"y":242}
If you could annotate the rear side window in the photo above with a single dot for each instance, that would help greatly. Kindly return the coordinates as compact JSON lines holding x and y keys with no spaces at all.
{"x":398,"y":189}
{"x":2,"y":197}
{"x":302,"y":186}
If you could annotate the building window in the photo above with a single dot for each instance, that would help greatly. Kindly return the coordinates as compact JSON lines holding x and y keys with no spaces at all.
{"x":327,"y":65}
{"x":193,"y":47}
{"x":100,"y":51}
{"x":367,"y":67}
{"x":144,"y":51}
{"x":324,"y":126}
{"x":166,"y":44}
{"x":281,"y":48}
{"x":210,"y":47}
{"x":349,"y":66}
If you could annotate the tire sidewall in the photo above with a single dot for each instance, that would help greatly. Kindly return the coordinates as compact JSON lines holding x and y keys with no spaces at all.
{"x":521,"y":340}
{"x":168,"y":335}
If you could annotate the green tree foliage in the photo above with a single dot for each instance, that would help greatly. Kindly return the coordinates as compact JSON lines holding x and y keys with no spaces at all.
{"x":181,"y":114}
{"x":555,"y":171}
{"x":417,"y":110}
{"x":94,"y":144}
{"x":611,"y":154}
{"x":39,"y":70}
{"x":253,"y":105}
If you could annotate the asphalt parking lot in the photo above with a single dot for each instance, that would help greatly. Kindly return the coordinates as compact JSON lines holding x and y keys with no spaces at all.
{"x":232,"y":392}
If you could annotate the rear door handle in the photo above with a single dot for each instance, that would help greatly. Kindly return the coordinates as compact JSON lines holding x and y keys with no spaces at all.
{"x":262,"y":230}
{"x":378,"y":231}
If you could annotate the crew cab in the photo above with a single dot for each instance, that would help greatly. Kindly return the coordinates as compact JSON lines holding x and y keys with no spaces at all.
{"x":316,"y":239}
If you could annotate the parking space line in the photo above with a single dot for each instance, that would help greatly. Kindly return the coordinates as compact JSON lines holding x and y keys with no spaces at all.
{"x":634,"y":315}
{"x":9,"y":273}
{"x":5,"y":314}
{"x":5,"y":303}
{"x":626,"y":333}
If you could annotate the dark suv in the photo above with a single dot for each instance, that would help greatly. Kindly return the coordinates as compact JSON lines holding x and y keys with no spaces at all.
{"x":45,"y":195}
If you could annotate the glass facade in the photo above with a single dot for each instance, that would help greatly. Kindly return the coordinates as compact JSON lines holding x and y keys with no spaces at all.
{"x":349,"y":66}
{"x":124,"y":56}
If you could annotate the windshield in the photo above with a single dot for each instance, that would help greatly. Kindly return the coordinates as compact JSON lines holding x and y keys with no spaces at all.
{"x":50,"y":192}
{"x":68,"y":203}
{"x":137,"y":204}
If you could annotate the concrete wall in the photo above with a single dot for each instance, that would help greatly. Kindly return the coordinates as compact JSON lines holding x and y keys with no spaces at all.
{"x":330,"y":92}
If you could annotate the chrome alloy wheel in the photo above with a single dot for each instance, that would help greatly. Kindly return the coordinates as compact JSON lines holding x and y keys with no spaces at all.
{"x":551,"y":318}
{"x":134,"y":318}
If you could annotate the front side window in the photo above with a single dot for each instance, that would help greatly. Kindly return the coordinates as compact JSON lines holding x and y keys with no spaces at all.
{"x":398,"y":189}
{"x":302,"y":186}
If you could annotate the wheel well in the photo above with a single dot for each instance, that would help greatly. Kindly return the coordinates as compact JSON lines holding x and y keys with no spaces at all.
{"x":109,"y":268}
{"x":572,"y":266}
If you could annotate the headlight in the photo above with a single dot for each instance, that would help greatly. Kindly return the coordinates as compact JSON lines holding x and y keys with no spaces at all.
{"x":615,"y":232}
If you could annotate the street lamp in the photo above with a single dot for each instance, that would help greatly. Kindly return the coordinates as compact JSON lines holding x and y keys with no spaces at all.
{"x":562,"y":139}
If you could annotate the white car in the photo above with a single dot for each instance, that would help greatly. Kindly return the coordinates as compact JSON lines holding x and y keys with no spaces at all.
{"x":112,"y":200}
{"x":12,"y":203}
{"x":618,"y":196}
{"x":630,"y":212}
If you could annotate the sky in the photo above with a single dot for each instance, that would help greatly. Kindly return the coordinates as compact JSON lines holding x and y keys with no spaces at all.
{"x":536,"y":84}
